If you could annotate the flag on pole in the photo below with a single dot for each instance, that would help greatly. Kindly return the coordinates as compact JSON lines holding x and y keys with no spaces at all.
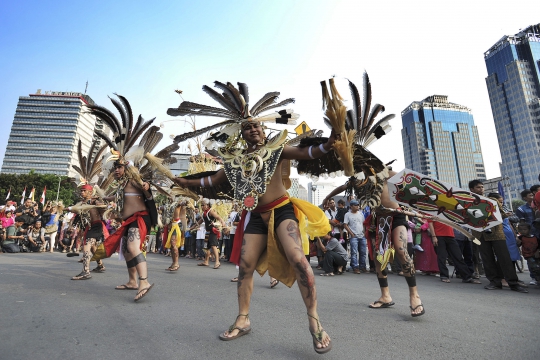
{"x":42,"y":201}
{"x":23,"y":195}
{"x":32,"y":194}
{"x":9,"y":193}
{"x":501,"y":190}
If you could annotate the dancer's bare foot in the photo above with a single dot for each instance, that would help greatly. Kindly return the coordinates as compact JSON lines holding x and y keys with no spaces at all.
{"x":381,"y":301}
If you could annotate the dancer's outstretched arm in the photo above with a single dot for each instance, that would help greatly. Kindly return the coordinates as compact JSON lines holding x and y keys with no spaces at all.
{"x":209,"y":181}
{"x":310,"y":152}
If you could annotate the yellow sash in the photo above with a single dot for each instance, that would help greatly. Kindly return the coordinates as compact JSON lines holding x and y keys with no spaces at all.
{"x":274,"y":259}
{"x":179,"y":236}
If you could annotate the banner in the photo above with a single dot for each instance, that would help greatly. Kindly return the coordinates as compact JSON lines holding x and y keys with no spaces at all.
{"x":23,"y":195}
{"x":42,"y":201}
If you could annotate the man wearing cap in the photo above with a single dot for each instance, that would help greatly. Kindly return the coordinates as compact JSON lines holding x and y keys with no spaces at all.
{"x":354,"y":224}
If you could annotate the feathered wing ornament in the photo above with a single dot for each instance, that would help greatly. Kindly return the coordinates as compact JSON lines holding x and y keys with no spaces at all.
{"x":358,"y":128}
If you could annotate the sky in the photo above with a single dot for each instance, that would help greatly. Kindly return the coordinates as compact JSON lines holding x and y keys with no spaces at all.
{"x":145,"y":50}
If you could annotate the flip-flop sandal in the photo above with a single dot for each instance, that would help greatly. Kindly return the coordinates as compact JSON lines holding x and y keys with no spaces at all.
{"x":273,"y":284}
{"x":202,"y":264}
{"x":99,"y":269}
{"x":146,"y":290}
{"x":173,"y":268}
{"x":322,"y":350}
{"x":317,"y":338}
{"x":217,"y":266}
{"x":383,"y":304}
{"x":82,"y":276}
{"x":420,"y":313}
{"x":445,"y":280}
{"x":125,"y":287}
{"x":241,"y":331}
{"x":72,"y":254}
{"x":234,"y":279}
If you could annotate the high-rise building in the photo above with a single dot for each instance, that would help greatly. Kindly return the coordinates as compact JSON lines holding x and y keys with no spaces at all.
{"x":440,"y":140}
{"x":45,"y":133}
{"x":513,"y":86}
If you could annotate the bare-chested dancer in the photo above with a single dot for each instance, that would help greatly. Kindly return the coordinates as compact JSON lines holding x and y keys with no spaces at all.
{"x":399,"y":240}
{"x":273,"y":206}
{"x":130,"y":197}
{"x":92,"y":235}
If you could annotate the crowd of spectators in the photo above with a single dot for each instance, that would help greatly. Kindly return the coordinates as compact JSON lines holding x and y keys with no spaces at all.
{"x":503,"y":250}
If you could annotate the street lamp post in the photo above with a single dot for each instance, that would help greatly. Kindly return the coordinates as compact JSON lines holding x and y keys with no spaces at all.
{"x":506,"y":185}
{"x":58,"y":191}
{"x":314,"y":192}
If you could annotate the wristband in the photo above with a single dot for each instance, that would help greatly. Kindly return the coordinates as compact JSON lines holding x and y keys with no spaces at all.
{"x":202,"y":182}
{"x":309,"y":152}
{"x":321,"y":147}
{"x":210,"y":181}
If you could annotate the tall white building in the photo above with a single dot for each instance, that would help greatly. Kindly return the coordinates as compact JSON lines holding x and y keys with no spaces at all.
{"x":318,"y":191}
{"x":46,"y":130}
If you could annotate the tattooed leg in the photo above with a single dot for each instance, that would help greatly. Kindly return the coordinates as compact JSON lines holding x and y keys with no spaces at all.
{"x":399,"y":238}
{"x":87,"y":254}
{"x":253,"y":246}
{"x":174,"y":252}
{"x":289,"y":236}
{"x":133,"y":249}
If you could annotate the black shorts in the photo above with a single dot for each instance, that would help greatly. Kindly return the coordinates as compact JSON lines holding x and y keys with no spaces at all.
{"x":95,"y":232}
{"x":212,"y":239}
{"x":256,"y":224}
{"x":398,"y":220}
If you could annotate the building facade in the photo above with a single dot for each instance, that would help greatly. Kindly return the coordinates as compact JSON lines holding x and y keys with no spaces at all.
{"x":45,"y":133}
{"x":181,"y":165}
{"x":513,"y":86}
{"x":441,"y":141}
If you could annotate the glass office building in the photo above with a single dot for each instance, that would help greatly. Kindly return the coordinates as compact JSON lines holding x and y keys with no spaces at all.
{"x":440,"y":140}
{"x":513,"y":86}
{"x":45,"y":133}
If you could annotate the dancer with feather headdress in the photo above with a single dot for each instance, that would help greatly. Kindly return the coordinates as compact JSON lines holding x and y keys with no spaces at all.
{"x":90,"y":210}
{"x":134,"y":168}
{"x":274,"y":236}
{"x":358,"y":129}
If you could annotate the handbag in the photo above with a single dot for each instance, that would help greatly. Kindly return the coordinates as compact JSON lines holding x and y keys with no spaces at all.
{"x":51,"y":229}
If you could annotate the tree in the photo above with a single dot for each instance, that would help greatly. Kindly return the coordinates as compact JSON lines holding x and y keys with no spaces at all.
{"x":17,"y":183}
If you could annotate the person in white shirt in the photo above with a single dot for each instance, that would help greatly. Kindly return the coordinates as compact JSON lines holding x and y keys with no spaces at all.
{"x":354,"y":224}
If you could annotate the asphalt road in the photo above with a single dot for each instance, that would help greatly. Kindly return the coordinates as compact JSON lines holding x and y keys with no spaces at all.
{"x":45,"y":315}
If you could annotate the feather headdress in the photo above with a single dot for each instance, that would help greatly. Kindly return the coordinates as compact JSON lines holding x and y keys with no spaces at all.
{"x":89,"y":166}
{"x":127,"y":151}
{"x":235,"y":109}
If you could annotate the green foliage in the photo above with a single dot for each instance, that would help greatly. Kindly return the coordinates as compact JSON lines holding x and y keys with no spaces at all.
{"x":17,"y":183}
{"x":160,"y":199}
